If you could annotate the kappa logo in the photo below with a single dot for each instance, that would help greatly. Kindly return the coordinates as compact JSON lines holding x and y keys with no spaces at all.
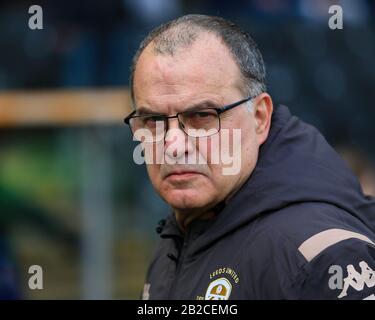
{"x":219,"y":289}
{"x":358,"y":280}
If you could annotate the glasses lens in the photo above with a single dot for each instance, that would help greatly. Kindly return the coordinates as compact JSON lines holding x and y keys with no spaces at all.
{"x":148,"y":128}
{"x":200,"y":123}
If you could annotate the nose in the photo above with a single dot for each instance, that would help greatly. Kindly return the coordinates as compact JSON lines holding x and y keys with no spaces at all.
{"x":176,"y":141}
{"x":173,"y":123}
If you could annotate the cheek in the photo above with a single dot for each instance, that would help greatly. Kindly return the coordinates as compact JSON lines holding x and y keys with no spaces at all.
{"x":221,"y":151}
{"x":224,"y":146}
{"x":209,"y":149}
{"x":250,"y":150}
{"x":153,"y":171}
{"x":153,"y":152}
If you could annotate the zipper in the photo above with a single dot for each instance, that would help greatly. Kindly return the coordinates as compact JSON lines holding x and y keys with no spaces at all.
{"x":179,"y":265}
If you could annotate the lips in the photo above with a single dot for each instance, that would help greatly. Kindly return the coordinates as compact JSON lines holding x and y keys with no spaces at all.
{"x":182,"y":172}
{"x":182,"y":175}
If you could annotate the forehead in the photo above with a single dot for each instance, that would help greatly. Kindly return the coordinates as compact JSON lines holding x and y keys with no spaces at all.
{"x":204,"y":70}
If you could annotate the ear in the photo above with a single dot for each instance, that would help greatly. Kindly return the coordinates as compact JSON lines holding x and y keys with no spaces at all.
{"x":263,"y":108}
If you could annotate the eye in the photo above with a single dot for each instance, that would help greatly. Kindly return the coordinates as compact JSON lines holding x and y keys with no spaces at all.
{"x":203,"y":114}
{"x":200,"y":119}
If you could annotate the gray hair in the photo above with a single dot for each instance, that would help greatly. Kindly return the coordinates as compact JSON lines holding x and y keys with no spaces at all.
{"x":183,"y":31}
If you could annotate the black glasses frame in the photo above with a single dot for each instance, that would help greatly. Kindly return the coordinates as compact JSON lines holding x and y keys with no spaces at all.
{"x":180,"y":124}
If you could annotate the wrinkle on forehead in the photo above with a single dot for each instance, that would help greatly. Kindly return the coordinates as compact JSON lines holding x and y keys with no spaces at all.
{"x":205,"y":67}
{"x":180,"y":103}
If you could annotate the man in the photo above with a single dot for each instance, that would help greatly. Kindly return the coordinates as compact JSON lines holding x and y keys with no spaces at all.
{"x":287,"y":224}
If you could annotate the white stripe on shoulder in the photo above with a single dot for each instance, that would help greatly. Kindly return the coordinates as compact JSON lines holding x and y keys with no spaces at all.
{"x":314,"y":245}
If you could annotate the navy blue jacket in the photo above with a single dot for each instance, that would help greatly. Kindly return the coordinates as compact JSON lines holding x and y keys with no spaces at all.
{"x":299,"y":228}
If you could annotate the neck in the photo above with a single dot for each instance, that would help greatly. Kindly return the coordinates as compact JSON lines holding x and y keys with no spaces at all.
{"x":185,"y":217}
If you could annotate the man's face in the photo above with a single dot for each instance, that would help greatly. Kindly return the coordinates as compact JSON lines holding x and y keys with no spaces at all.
{"x":203,"y":73}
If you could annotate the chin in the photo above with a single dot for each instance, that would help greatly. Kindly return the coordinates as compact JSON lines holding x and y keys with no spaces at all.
{"x":186,"y":199}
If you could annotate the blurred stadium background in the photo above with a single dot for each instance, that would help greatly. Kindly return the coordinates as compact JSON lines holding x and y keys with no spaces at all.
{"x":71,"y":198}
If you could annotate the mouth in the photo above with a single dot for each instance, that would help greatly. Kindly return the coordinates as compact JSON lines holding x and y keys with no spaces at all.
{"x":182,"y":175}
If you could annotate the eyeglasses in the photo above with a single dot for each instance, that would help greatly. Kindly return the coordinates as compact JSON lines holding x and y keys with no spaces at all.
{"x":196,"y":123}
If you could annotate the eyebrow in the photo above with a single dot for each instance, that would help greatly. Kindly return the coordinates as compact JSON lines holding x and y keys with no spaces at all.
{"x":144,"y":110}
{"x":197,"y":106}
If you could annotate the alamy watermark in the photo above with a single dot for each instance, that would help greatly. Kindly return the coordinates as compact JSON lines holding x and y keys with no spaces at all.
{"x":36,"y":20}
{"x":356,"y":280}
{"x":336,"y":20}
{"x":202,"y":147}
{"x":36,"y":279}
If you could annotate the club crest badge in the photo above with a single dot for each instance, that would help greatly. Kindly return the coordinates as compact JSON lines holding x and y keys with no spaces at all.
{"x":219,"y":289}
